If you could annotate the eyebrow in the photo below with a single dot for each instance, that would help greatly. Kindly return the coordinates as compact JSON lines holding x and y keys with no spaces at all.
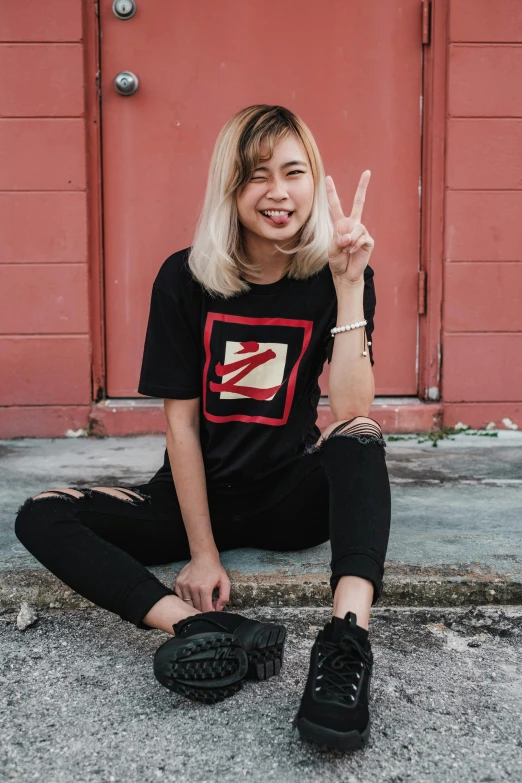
{"x":284,"y":166}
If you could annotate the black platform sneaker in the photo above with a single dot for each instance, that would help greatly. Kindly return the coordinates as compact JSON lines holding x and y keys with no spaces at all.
{"x":213,"y":652}
{"x":334,"y":708}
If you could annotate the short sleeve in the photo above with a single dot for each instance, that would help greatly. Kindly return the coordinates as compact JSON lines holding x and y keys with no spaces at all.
{"x":171,"y":355}
{"x":369,"y":303}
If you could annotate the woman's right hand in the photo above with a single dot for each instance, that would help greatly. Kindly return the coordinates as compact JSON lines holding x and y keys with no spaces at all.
{"x":199,"y":578}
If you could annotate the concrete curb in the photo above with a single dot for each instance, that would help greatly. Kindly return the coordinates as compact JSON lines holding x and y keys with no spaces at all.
{"x":403,"y":586}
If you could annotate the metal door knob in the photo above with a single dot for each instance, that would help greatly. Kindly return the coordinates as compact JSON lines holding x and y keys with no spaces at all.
{"x":124,"y":9}
{"x":126,"y":83}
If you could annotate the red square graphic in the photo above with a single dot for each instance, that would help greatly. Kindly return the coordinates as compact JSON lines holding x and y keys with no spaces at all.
{"x":246,"y":368}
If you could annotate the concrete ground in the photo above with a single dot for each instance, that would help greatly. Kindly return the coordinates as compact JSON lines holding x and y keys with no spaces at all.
{"x":79,"y":702}
{"x":455,"y":532}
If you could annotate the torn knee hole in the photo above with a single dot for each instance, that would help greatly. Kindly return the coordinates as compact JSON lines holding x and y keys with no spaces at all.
{"x":364,"y":428}
{"x":134,"y":493}
{"x":121,"y":493}
{"x":64,"y":494}
{"x":367,"y":431}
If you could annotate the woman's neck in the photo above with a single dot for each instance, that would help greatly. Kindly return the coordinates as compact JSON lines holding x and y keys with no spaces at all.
{"x":272,"y":263}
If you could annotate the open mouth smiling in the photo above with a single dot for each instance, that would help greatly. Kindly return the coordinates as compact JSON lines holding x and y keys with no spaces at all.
{"x":277,"y":217}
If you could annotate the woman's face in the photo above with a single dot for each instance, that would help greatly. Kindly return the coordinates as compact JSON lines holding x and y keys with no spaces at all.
{"x":283,"y":187}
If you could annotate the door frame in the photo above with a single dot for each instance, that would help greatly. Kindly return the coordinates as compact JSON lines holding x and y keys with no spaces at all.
{"x":93,"y":155}
{"x":435,"y":66}
{"x":431,"y":260}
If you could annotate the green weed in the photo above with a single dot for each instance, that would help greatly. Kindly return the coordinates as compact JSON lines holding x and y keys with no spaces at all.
{"x":434,"y":436}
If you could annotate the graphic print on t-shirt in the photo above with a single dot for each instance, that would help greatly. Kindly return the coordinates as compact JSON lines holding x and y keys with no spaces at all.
{"x":253,"y":370}
{"x":251,"y":367}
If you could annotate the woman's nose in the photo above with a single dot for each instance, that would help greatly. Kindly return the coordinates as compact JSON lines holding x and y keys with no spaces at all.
{"x":277,"y":190}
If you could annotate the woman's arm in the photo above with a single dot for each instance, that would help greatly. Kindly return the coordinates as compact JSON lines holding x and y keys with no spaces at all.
{"x":204,"y":572}
{"x":351,"y":385}
{"x":186,"y":462}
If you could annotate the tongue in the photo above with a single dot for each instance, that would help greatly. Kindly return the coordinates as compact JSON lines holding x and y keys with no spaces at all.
{"x":279,"y":218}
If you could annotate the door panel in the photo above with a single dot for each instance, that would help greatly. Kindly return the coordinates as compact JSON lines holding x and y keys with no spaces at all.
{"x":353,"y":74}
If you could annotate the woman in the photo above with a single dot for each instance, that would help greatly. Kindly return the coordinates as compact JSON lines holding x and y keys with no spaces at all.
{"x":239,"y":329}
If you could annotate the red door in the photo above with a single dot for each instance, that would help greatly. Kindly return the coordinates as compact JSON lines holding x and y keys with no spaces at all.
{"x":350,"y":68}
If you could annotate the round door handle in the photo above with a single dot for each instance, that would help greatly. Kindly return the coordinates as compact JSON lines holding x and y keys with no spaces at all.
{"x":126,"y":83}
{"x":124,"y":9}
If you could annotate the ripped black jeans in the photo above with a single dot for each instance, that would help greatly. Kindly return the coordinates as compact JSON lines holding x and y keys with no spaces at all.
{"x":99,"y":545}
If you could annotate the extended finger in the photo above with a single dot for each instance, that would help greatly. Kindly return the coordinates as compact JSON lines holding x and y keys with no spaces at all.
{"x":196,"y":600}
{"x":183,"y":593}
{"x":224,"y":595}
{"x":360,"y":195}
{"x":205,"y":601}
{"x":333,"y":200}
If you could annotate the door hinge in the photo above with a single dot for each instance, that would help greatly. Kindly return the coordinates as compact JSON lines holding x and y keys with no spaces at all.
{"x":426,"y":22}
{"x":421,"y":292}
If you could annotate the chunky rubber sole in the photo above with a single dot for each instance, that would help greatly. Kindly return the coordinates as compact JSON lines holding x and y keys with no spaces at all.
{"x":207,"y":667}
{"x":329,"y":738}
{"x":266,"y":656}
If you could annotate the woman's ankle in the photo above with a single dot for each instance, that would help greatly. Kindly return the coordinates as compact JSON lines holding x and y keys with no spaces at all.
{"x":168,"y":611}
{"x":354,"y":594}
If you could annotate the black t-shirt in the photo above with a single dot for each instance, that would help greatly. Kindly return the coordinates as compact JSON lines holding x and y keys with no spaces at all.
{"x":253,"y":360}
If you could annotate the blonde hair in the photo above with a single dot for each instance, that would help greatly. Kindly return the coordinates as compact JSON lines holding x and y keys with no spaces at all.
{"x":217,"y":257}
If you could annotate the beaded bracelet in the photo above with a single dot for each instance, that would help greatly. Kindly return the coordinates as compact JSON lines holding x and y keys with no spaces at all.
{"x":346,"y":328}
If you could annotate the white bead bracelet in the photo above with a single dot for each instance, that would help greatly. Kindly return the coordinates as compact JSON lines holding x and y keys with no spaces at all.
{"x":337,"y":329}
{"x":346,"y":328}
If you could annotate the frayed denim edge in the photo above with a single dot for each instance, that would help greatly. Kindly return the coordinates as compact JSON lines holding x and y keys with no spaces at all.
{"x":87,"y":492}
{"x":314,"y":448}
{"x":29,"y":501}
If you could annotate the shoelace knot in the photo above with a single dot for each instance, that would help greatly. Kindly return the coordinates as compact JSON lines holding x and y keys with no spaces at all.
{"x":339,"y":665}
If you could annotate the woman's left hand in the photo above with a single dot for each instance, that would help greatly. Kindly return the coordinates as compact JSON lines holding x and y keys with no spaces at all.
{"x":352,"y":245}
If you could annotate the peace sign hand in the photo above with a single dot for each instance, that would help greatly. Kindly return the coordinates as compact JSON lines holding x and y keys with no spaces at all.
{"x":352,"y":245}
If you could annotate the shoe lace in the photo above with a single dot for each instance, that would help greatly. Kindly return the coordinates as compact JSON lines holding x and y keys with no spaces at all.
{"x":340,"y":667}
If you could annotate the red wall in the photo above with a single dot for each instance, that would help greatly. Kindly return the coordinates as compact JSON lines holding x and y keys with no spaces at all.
{"x":482,"y":313}
{"x":45,"y":350}
{"x":46,"y":353}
